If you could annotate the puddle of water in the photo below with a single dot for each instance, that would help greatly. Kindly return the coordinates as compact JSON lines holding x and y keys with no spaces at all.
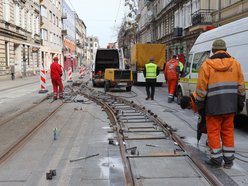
{"x":107,"y":162}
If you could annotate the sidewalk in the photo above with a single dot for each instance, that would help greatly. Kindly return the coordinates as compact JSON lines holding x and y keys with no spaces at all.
{"x":7,"y":84}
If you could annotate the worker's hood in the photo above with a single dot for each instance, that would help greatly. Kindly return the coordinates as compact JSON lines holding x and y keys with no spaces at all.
{"x":220,"y":61}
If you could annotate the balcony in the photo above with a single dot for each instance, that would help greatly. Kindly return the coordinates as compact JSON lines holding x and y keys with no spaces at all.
{"x":202,"y":17}
{"x":64,"y":16}
{"x":178,"y":32}
{"x":78,"y":43}
{"x":37,"y":38}
{"x":64,"y":32}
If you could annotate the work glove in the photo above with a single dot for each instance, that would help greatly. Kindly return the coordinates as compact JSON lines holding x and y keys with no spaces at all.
{"x":241,"y":104}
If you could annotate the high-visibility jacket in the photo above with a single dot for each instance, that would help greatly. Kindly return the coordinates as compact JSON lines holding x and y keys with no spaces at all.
{"x":181,"y":66}
{"x":171,"y":70}
{"x":220,"y":84}
{"x":151,"y":71}
{"x":55,"y":71}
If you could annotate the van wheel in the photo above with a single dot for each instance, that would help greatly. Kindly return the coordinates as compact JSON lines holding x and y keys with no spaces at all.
{"x":179,"y":95}
{"x":106,"y":86}
{"x":94,"y":84}
{"x":128,"y":89}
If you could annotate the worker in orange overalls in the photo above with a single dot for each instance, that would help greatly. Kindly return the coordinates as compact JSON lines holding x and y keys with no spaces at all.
{"x":171,"y":74}
{"x":56,"y":73}
{"x":221,"y":92}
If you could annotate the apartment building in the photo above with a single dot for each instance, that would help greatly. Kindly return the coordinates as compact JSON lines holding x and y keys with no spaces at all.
{"x":91,"y":46}
{"x":177,"y":23}
{"x":69,"y":37}
{"x":80,"y":40}
{"x":51,"y":36}
{"x":19,"y":38}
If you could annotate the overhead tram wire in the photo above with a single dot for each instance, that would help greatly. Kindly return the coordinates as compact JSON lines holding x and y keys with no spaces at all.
{"x":117,"y":12}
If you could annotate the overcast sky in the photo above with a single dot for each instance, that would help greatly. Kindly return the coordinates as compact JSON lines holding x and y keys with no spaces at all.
{"x":101,"y":17}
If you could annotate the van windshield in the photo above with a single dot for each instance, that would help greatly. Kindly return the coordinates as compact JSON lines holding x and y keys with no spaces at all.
{"x":188,"y":64}
{"x":106,"y":59}
{"x":199,"y":58}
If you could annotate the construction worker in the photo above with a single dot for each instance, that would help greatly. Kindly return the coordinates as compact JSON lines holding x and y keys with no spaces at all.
{"x":151,"y":72}
{"x":221,"y":93}
{"x":56,"y":73}
{"x":171,"y":74}
{"x":188,"y":102}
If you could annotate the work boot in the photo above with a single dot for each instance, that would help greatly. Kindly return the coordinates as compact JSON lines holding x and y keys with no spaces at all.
{"x":213,"y":164}
{"x":228,"y":161}
{"x":170,"y":100}
{"x":228,"y":165}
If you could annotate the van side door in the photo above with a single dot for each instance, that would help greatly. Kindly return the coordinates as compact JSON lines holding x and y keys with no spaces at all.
{"x":184,"y":80}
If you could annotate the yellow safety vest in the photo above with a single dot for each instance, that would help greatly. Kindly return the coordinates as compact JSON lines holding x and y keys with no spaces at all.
{"x":151,"y":71}
{"x":180,"y":66}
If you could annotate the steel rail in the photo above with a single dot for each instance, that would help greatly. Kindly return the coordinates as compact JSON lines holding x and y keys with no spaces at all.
{"x":24,"y":139}
{"x":168,"y":131}
{"x":23,"y":111}
{"x":6,"y":89}
{"x":209,"y":176}
{"x":112,"y":117}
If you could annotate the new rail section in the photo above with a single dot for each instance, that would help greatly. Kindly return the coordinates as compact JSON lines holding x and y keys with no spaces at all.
{"x":137,"y":129}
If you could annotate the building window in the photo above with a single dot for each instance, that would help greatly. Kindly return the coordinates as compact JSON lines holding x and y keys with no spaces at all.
{"x":17,"y":15}
{"x":6,"y":10}
{"x":23,"y":18}
{"x":44,"y":34}
{"x":54,"y":39}
{"x":7,"y":53}
{"x":59,"y":23}
{"x":43,"y":11}
{"x":54,"y":19}
{"x":32,"y":25}
{"x":50,"y":16}
{"x":28,"y":21}
{"x":51,"y":37}
{"x":38,"y":25}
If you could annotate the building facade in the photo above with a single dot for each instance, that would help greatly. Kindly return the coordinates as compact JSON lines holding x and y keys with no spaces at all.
{"x":51,"y":37}
{"x":69,"y":37}
{"x":19,"y":38}
{"x":91,"y":46}
{"x":177,"y":23}
{"x":80,"y":40}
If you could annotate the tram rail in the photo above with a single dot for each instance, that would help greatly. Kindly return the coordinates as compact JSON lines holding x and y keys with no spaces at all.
{"x":121,"y":112}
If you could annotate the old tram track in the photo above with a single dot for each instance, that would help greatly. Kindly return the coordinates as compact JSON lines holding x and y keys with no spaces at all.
{"x":20,"y":135}
{"x":134,"y":124}
{"x":14,"y":142}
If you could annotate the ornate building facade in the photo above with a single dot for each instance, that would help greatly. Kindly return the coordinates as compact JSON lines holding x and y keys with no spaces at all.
{"x":19,"y":37}
{"x":51,"y":36}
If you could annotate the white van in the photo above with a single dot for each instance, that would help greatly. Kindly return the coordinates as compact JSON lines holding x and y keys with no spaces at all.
{"x":105,"y":58}
{"x":235,"y":35}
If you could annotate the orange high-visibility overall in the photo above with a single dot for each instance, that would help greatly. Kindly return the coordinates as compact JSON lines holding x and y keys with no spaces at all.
{"x":171,"y":76}
{"x":220,"y":86}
